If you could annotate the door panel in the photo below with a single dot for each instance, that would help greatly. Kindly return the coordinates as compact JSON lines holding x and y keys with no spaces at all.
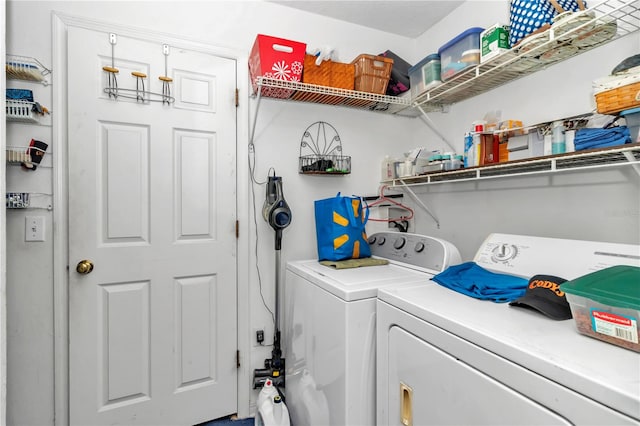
{"x":123,"y":312}
{"x":195,"y":205}
{"x":152,"y":199}
{"x":123,"y":175}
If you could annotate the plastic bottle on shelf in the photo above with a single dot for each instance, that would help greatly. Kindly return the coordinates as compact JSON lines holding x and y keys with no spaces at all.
{"x":569,"y":136}
{"x":408,"y":167}
{"x":468,"y":150}
{"x":558,"y":144}
{"x":472,"y":150}
{"x":387,"y":169}
{"x":478,"y":126}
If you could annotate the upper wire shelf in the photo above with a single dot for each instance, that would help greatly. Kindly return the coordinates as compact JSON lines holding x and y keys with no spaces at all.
{"x":575,"y":34}
{"x":304,"y":92}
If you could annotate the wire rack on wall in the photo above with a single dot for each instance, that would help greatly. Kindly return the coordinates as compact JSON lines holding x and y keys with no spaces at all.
{"x":17,"y":200}
{"x":26,"y":68}
{"x":577,"y":33}
{"x":321,"y":151}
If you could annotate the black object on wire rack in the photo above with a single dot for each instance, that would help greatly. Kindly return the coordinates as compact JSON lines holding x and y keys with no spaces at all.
{"x":321,"y":151}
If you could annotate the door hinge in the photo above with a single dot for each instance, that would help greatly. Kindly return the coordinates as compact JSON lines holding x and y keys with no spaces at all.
{"x":237,"y":229}
{"x":237,"y":98}
{"x":237,"y":359}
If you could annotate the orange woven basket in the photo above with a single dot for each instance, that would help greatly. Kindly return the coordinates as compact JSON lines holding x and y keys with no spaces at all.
{"x":328,"y":73}
{"x":372,"y":73}
{"x":618,"y":99}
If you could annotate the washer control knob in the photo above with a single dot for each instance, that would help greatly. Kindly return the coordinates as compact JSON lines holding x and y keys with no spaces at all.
{"x":381,"y":240}
{"x":504,"y":252}
{"x":399,"y":243}
{"x":371,"y":240}
{"x":419,"y":247}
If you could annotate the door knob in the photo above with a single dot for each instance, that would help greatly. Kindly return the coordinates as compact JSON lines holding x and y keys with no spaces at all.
{"x":84,"y":267}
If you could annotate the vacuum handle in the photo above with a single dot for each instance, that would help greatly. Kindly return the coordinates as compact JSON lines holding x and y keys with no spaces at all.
{"x":278,"y":239}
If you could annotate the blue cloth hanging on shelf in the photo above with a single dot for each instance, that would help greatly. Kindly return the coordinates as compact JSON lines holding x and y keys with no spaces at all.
{"x":601,"y":138}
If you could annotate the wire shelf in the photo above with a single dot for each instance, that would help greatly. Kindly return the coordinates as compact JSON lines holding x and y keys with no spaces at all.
{"x":303,"y":92}
{"x":14,"y":156}
{"x":26,"y":68}
{"x":628,"y":154}
{"x":576,"y":34}
{"x":19,"y":110}
{"x":580,"y":32}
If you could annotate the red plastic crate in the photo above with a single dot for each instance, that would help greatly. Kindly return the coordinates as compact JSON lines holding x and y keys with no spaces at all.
{"x":277,"y":58}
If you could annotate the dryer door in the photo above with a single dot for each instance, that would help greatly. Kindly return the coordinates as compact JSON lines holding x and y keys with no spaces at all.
{"x":429,"y":386}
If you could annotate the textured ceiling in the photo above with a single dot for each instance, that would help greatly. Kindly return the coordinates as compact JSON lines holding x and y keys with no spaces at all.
{"x":405,"y":18}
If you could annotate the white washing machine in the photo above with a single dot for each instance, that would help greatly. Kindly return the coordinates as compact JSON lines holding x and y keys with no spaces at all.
{"x":329,"y":327}
{"x":446,"y":358}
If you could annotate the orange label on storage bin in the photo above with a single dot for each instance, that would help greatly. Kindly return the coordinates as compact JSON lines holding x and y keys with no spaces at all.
{"x":614,"y":325}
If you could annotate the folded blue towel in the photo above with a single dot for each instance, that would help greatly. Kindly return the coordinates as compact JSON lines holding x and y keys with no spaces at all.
{"x":473,"y":280}
{"x":601,"y":138}
{"x":19,"y":94}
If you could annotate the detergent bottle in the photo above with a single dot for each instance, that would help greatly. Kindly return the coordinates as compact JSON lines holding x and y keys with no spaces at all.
{"x":469,"y":151}
{"x":271,"y":410}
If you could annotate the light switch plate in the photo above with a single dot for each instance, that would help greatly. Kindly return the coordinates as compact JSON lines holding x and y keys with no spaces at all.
{"x":34,"y":228}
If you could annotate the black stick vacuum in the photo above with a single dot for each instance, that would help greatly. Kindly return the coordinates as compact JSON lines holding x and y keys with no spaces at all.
{"x":277,"y":213}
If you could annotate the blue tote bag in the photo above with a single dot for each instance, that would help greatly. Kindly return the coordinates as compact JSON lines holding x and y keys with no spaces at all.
{"x":340,"y":228}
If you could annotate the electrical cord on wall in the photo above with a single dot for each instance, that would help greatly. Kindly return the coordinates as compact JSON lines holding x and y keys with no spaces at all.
{"x":251,"y":160}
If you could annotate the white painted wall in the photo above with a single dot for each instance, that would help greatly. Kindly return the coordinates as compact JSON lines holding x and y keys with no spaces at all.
{"x":560,"y":206}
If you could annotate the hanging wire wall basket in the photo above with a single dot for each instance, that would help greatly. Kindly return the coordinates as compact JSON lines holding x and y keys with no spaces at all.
{"x":26,"y":68}
{"x":17,"y":200}
{"x":321,"y":151}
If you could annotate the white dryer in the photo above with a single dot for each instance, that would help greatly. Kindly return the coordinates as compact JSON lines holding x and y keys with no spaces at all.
{"x":446,"y":358}
{"x":329,"y":327}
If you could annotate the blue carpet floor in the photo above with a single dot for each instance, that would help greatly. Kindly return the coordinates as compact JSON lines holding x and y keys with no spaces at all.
{"x":229,"y":421}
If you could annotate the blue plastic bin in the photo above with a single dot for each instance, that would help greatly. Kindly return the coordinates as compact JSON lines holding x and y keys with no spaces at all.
{"x":460,"y":53}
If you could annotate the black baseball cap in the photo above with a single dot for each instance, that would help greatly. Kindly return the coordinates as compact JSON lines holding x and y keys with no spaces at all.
{"x":544,"y":295}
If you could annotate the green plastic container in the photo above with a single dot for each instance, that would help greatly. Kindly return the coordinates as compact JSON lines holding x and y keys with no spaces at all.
{"x":606,"y":305}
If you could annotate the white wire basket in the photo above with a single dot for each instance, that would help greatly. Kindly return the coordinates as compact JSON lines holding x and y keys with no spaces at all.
{"x":17,"y":157}
{"x":18,"y":110}
{"x":26,"y":68}
{"x":17,"y":200}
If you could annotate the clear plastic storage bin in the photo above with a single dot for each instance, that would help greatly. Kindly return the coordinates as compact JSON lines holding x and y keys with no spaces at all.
{"x":606,"y":305}
{"x":425,"y":75}
{"x":632,"y":117}
{"x":460,"y":53}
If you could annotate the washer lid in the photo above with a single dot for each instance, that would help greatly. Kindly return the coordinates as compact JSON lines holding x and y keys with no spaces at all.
{"x":356,"y":283}
{"x":552,"y":349}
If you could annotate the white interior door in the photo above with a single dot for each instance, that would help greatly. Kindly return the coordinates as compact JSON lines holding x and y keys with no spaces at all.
{"x":152,"y":204}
